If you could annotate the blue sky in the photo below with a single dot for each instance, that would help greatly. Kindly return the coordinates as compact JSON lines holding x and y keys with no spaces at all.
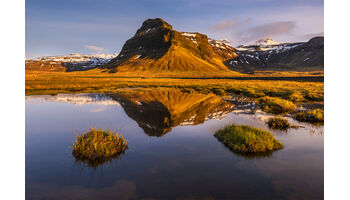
{"x":55,"y":27}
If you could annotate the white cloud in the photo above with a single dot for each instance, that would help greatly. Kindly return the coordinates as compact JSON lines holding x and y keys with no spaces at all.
{"x":98,"y":110}
{"x":94,"y":48}
{"x":224,"y":25}
{"x":292,"y":24}
{"x":265,"y":30}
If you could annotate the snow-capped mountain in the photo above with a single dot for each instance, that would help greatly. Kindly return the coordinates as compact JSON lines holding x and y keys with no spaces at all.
{"x":266,"y":42}
{"x":270,"y":54}
{"x":71,"y":62}
{"x":76,"y":57}
{"x":157,"y":47}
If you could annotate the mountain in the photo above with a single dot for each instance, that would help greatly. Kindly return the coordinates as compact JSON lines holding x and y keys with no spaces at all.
{"x":266,"y":42}
{"x":157,"y":47}
{"x":267,"y":54}
{"x":71,"y":62}
{"x":157,"y":111}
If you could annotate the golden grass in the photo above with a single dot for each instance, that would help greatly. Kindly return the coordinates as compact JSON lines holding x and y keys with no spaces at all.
{"x":91,"y":81}
{"x":98,"y":144}
{"x":278,"y":123}
{"x":276,"y":105}
{"x":313,"y":116}
{"x":248,"y":140}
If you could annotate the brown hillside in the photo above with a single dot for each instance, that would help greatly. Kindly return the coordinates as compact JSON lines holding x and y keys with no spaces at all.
{"x":156,"y":47}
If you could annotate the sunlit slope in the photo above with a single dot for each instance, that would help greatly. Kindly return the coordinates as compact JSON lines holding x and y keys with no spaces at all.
{"x":157,"y":48}
{"x":158,"y":110}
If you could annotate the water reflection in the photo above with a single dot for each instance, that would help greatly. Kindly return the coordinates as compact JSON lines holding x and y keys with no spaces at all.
{"x":187,"y":163}
{"x":95,"y":164}
{"x":157,"y":111}
{"x":77,"y":99}
{"x":248,"y":156}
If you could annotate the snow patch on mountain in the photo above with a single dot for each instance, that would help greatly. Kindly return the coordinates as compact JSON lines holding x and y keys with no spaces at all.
{"x":77,"y":57}
{"x":219,"y":43}
{"x":266,"y":42}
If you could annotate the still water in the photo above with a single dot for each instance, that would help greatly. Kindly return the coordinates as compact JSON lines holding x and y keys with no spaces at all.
{"x":172,"y":151}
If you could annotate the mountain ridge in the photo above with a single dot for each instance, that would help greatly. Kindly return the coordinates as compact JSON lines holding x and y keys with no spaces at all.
{"x":156,"y":47}
{"x":285,"y":56}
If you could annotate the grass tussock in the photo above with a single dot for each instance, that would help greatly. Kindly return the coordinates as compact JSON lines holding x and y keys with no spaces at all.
{"x":98,"y":144}
{"x":248,"y":140}
{"x":276,"y":105}
{"x":278,"y":123}
{"x":313,"y":116}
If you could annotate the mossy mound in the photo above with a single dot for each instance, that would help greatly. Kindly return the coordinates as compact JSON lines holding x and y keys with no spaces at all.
{"x":313,"y":116}
{"x":276,"y":105}
{"x":98,"y":144}
{"x":248,"y":140}
{"x":278,"y":123}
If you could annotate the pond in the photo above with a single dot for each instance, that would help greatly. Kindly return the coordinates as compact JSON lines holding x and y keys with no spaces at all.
{"x":172,"y":151}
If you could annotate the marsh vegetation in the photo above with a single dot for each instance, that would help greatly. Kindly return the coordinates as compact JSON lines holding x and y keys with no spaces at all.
{"x":278,"y":123}
{"x":313,"y":116}
{"x":276,"y":105}
{"x":91,"y":82}
{"x":248,"y":140}
{"x":98,"y":145}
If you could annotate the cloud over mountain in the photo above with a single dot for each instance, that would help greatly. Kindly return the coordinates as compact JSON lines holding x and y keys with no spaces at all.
{"x":273,"y":29}
{"x":94,"y":48}
{"x":224,"y":25}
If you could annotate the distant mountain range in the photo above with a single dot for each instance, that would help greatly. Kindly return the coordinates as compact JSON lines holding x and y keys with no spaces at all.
{"x":156,"y":47}
{"x":71,"y":62}
{"x":267,"y":54}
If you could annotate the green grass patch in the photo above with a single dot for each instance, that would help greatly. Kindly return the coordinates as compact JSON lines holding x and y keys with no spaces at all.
{"x":278,"y":123}
{"x":248,"y":140}
{"x":98,"y":144}
{"x":313,"y":116}
{"x":276,"y":105}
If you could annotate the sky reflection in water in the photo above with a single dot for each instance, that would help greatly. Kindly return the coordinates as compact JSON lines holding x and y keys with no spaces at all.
{"x":178,"y":159}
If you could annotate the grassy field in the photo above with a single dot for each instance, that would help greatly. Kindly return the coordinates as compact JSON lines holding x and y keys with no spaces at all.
{"x":91,"y":82}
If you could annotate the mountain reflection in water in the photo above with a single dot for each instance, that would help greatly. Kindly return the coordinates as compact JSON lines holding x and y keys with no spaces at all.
{"x":187,"y":162}
{"x":158,"y":110}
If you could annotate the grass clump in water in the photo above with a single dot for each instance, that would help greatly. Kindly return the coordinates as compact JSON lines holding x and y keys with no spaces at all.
{"x":248,"y":140}
{"x":313,"y":116}
{"x":98,"y":144}
{"x":278,"y":123}
{"x":276,"y":105}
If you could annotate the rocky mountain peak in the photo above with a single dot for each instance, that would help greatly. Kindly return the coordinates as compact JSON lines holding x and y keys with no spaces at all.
{"x":150,"y":24}
{"x":266,"y":41}
{"x":157,"y":47}
{"x":316,"y":40}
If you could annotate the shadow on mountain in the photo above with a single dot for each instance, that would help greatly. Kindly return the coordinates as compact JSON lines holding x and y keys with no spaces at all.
{"x":157,"y":47}
{"x":157,"y":111}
